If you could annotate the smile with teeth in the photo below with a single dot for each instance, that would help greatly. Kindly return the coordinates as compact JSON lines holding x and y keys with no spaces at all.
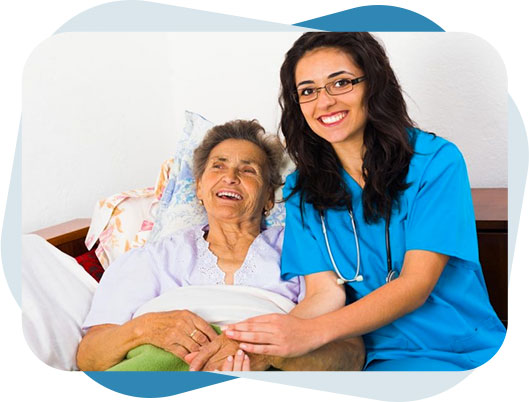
{"x":334,"y":118}
{"x":229,"y":195}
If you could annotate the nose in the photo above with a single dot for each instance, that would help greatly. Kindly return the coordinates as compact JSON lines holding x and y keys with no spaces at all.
{"x":231,"y":176}
{"x":325,"y":100}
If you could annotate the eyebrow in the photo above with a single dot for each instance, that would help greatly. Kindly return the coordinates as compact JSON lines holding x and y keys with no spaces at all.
{"x":217,"y":159}
{"x":225,"y":159}
{"x":337,"y":73}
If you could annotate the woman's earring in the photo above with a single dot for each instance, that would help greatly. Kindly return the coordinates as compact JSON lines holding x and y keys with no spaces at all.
{"x":200,"y":201}
{"x":266,"y":212}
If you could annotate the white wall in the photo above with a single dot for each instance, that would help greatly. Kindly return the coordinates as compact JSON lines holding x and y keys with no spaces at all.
{"x":102,"y":111}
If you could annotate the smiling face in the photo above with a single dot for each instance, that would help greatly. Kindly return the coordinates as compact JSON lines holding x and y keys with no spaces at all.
{"x":233,"y":186}
{"x":339,"y":119}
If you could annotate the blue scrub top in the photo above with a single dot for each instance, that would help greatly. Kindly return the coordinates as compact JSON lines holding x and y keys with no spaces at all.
{"x":457,"y":323}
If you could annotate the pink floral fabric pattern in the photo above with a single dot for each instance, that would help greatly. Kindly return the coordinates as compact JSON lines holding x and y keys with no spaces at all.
{"x":125,"y":220}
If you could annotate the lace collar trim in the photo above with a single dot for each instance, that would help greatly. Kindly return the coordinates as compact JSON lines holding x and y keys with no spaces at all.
{"x":208,"y":262}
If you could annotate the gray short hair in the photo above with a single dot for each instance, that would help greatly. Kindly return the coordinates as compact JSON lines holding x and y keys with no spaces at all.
{"x":248,"y":130}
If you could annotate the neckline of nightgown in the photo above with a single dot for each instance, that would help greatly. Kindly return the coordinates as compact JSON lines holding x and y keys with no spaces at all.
{"x":245,"y":266}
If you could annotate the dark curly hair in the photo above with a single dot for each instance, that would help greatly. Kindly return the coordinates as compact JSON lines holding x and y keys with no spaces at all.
{"x":388,"y":147}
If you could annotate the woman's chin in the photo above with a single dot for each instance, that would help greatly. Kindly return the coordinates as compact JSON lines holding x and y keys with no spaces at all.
{"x":233,"y":217}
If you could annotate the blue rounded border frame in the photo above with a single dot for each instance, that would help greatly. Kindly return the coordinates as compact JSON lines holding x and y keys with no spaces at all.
{"x":148,"y":384}
{"x":139,"y":16}
{"x":373,"y":19}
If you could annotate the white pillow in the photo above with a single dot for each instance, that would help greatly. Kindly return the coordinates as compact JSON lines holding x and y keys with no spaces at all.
{"x":179,"y":207}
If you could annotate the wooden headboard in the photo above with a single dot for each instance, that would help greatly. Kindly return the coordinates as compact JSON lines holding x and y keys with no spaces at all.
{"x":68,"y":237}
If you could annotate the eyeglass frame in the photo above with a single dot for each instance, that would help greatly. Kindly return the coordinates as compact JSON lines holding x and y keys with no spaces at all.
{"x":354,"y":81}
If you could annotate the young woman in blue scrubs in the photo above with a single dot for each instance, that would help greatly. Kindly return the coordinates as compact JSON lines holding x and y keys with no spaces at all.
{"x":356,"y":149}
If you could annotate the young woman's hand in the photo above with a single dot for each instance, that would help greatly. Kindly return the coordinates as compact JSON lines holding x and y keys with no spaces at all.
{"x":276,"y":334}
{"x":215,"y":355}
{"x":212,"y":356}
{"x":239,"y":362}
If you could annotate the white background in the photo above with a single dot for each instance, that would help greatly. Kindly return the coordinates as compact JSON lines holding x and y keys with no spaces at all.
{"x":102,"y":111}
{"x":25,"y":24}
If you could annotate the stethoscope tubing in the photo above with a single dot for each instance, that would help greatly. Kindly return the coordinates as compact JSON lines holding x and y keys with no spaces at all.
{"x":392,"y":274}
{"x":341,"y":279}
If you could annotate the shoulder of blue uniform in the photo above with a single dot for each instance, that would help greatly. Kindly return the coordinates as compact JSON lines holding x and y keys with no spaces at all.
{"x":292,"y":178}
{"x":432,"y":155}
{"x":290,"y":183}
{"x":426,"y":145}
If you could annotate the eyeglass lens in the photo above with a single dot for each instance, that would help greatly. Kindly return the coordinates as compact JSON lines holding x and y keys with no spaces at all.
{"x":338,"y":87}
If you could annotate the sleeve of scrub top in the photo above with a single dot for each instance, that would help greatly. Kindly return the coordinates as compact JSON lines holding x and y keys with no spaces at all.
{"x":301,"y":253}
{"x":127,"y":284}
{"x":441,"y":215}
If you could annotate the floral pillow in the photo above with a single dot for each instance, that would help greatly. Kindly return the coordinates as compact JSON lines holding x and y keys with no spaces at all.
{"x":179,"y":206}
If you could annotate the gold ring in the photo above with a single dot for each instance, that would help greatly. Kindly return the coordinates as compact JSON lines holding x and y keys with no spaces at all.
{"x":193,"y":333}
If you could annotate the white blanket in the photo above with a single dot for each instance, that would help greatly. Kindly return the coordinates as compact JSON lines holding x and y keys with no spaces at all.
{"x":220,"y":304}
{"x":57,"y":294}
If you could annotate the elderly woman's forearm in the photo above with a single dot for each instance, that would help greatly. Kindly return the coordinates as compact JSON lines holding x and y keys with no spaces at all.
{"x":344,"y":355}
{"x":106,"y":345}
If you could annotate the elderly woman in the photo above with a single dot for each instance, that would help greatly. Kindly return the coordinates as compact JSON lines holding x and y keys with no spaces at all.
{"x":237,"y":172}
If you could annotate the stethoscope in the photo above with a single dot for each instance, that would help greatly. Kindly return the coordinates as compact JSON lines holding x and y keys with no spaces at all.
{"x":392,"y":274}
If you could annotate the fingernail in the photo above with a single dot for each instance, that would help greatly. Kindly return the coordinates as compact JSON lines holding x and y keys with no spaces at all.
{"x":229,"y":333}
{"x":230,"y":358}
{"x":192,"y":369}
{"x":223,"y":328}
{"x":246,"y":357}
{"x":239,"y":352}
{"x":242,"y":346}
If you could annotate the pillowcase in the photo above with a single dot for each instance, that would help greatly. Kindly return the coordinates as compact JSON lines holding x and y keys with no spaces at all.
{"x":124,"y":221}
{"x":179,"y":207}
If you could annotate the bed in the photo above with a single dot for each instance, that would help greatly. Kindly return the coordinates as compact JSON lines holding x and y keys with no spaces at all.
{"x":490,"y":207}
{"x":151,"y":213}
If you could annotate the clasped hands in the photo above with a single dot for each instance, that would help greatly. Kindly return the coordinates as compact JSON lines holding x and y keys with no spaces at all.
{"x":224,"y":354}
{"x":188,"y":336}
{"x":250,"y":344}
{"x":267,"y":339}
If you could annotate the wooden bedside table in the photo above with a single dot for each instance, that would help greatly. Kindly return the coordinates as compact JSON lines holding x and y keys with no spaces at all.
{"x":490,"y":208}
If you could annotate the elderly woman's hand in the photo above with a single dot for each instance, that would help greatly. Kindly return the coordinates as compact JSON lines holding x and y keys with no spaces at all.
{"x":179,"y":332}
{"x":215,"y":356}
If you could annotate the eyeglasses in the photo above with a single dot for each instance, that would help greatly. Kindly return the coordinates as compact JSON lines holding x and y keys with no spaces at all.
{"x":333,"y":88}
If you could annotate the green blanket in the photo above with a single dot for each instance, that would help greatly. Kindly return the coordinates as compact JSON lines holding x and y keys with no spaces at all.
{"x":152,"y":358}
